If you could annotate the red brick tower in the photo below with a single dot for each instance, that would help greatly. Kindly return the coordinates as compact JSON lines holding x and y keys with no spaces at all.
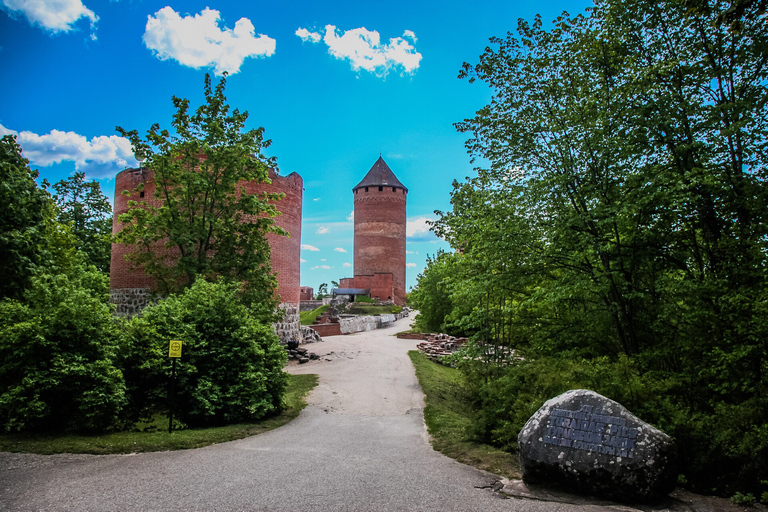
{"x":380,"y":232}
{"x":131,"y":289}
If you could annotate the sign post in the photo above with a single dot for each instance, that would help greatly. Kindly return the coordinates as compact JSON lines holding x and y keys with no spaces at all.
{"x":174,"y":352}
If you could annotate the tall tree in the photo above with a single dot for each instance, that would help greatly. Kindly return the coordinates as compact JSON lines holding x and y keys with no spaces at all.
{"x":623,"y":212}
{"x":30,"y":238}
{"x":86,"y":209}
{"x":202,"y":215}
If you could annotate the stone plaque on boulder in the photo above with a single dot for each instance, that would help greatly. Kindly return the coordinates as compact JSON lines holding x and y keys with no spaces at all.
{"x":584,"y":442}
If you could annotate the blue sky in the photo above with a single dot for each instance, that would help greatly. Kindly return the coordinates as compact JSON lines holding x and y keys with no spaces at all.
{"x":333,"y":83}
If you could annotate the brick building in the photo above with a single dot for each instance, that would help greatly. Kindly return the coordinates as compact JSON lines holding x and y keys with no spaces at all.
{"x":306,"y":293}
{"x":379,"y":255}
{"x":130,"y":289}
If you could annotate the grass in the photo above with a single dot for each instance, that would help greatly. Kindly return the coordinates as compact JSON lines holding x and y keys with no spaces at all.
{"x":308,"y":317}
{"x":368,"y":309}
{"x":448,"y":415}
{"x":134,"y":442}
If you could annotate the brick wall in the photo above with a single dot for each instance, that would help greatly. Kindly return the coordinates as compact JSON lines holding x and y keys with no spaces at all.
{"x":380,"y":220}
{"x":285,"y":251}
{"x":306,"y":293}
{"x":381,"y":285}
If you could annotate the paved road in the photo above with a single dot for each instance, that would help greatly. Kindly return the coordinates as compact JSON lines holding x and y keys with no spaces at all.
{"x":361,"y":445}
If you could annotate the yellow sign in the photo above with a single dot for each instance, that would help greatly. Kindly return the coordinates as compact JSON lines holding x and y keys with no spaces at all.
{"x":174,"y":349}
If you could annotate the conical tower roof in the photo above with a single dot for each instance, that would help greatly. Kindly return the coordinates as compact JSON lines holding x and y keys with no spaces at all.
{"x":380,"y":175}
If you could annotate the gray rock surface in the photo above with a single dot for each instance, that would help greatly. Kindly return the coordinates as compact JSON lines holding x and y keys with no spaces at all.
{"x":589,"y":444}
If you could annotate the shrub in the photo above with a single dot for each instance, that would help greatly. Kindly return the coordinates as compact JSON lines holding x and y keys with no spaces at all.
{"x":57,"y":351}
{"x":743,"y":499}
{"x":396,"y":309}
{"x":723,"y":448}
{"x":231,"y":365}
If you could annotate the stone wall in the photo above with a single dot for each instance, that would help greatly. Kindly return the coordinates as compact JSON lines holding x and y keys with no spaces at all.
{"x":309,"y":305}
{"x":130,"y":301}
{"x":289,"y":328}
{"x":353,"y":323}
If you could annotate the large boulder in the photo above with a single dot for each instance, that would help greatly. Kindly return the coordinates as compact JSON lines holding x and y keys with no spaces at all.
{"x":586,"y":443}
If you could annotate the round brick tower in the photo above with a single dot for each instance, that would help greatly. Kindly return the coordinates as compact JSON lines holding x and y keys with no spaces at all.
{"x":380,"y":231}
{"x":131,"y":289}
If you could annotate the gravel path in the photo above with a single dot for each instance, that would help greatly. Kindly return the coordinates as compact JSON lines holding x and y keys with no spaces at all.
{"x":361,"y":445}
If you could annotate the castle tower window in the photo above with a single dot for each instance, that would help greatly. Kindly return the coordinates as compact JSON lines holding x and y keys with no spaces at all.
{"x":366,"y":189}
{"x":381,"y":188}
{"x":394,"y":189}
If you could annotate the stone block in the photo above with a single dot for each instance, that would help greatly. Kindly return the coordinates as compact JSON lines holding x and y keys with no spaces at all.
{"x":586,"y":443}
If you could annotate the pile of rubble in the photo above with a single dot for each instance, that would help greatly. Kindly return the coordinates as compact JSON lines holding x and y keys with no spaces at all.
{"x":300,"y":353}
{"x":309,"y":335}
{"x":436,"y":346}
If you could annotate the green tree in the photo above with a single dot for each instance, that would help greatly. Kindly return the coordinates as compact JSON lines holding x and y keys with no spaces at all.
{"x":57,"y":355}
{"x":231,"y":368}
{"x":83,"y":207}
{"x":29,"y":236}
{"x":432,"y":296}
{"x":622,"y":217}
{"x":201,"y":213}
{"x":322,"y":290}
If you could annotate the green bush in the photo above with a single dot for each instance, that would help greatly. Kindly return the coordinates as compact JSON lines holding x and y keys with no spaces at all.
{"x":231,"y":365}
{"x":57,"y":351}
{"x":722,"y":449}
{"x":743,"y":499}
{"x":396,"y":309}
{"x":366,"y":300}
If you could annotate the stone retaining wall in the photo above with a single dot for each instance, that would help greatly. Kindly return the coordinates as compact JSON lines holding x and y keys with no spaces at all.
{"x":309,"y":305}
{"x":130,"y":301}
{"x":289,"y":328}
{"x":355,"y":323}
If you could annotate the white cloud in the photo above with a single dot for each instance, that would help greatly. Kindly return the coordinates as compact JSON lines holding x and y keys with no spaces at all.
{"x":408,"y":252}
{"x":340,"y":249}
{"x":323,"y":259}
{"x":364,"y":50}
{"x":322,"y":230}
{"x":102,"y":156}
{"x":321,"y":267}
{"x":347,"y":265}
{"x":411,"y":265}
{"x":418,"y":229}
{"x":302,"y":260}
{"x":306,"y":35}
{"x":54,"y":15}
{"x":197,"y":41}
{"x":316,"y":199}
{"x":351,"y":216}
{"x":307,"y":247}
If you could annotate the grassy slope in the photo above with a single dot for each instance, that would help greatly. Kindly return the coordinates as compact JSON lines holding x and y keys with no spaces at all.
{"x":308,"y":317}
{"x":133,"y":442}
{"x":449,"y":419}
{"x":369,"y":309}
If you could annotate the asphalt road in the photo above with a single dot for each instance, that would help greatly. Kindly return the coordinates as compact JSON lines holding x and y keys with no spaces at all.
{"x":361,"y":444}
